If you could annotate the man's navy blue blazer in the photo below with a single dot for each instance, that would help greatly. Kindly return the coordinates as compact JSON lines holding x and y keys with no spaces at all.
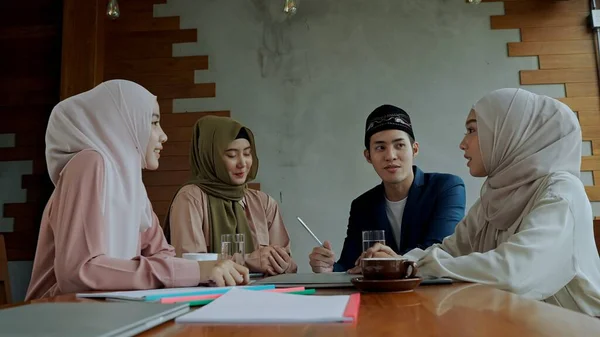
{"x":435,"y":204}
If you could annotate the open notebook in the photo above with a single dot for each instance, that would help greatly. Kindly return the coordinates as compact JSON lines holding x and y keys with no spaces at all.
{"x":259,"y":307}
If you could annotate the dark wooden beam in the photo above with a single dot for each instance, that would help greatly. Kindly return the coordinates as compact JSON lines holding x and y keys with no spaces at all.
{"x":82,"y":46}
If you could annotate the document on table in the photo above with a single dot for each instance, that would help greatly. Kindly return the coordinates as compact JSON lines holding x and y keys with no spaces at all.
{"x":259,"y":307}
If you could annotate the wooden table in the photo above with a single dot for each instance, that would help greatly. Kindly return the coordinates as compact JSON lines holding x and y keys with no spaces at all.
{"x":460,"y":310}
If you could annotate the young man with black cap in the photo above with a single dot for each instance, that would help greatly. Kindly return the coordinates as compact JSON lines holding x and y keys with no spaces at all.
{"x":415,"y":209}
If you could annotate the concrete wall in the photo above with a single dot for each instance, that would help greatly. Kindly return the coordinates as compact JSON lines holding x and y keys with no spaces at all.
{"x":305,"y":86}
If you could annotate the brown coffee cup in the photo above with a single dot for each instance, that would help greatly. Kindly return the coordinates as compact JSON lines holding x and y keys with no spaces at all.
{"x":383,"y":268}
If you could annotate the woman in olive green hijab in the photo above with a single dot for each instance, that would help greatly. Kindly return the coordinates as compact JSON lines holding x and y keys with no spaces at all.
{"x":217,"y":200}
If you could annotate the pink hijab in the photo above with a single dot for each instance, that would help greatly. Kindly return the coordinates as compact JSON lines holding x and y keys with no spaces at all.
{"x":114,"y":119}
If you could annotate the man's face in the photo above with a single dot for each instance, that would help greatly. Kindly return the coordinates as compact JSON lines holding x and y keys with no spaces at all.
{"x":391,"y":154}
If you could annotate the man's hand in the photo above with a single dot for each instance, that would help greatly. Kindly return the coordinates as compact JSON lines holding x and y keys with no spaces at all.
{"x":322,"y":259}
{"x":378,"y":250}
{"x":279,"y":261}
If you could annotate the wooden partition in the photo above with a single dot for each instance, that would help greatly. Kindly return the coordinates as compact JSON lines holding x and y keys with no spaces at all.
{"x":558,"y":33}
{"x":597,"y":233}
{"x":5,"y":292}
{"x":138,"y":47}
{"x":50,"y":61}
{"x":83,"y":46}
{"x":30,"y":41}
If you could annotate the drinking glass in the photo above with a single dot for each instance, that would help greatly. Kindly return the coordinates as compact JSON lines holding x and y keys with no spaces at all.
{"x":369,"y":238}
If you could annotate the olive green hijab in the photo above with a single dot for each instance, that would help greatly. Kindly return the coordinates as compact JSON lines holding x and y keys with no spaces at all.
{"x":212,"y":135}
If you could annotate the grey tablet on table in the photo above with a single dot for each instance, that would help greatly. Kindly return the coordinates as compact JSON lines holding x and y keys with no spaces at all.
{"x":93,"y":319}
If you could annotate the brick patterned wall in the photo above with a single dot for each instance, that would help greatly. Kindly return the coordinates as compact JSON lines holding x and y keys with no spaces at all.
{"x":558,"y":33}
{"x":30,"y":40}
{"x":139,"y":48}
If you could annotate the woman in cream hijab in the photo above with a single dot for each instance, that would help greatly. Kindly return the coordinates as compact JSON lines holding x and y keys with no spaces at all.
{"x":530,"y":232}
{"x":98,"y":230}
{"x":217,"y":200}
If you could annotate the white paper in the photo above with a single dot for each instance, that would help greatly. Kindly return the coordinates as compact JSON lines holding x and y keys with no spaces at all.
{"x":139,"y":295}
{"x":257,"y":307}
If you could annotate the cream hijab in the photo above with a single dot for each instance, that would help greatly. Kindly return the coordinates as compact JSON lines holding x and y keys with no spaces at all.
{"x":114,"y":119}
{"x":523,"y":137}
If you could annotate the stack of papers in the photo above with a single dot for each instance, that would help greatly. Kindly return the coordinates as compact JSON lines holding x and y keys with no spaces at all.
{"x":205,"y":299}
{"x":156,"y":295}
{"x":258,"y":307}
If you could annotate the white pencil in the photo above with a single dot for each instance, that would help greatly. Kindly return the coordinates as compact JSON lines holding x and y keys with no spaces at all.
{"x":311,"y":233}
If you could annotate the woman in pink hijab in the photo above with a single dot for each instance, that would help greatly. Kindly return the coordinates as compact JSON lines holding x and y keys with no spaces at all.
{"x":531,"y":231}
{"x":98,"y":230}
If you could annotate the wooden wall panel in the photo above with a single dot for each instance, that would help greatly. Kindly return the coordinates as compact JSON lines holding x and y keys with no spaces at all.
{"x":559,"y":76}
{"x":184,"y":90}
{"x":596,"y":151}
{"x":139,"y":48}
{"x":174,"y":149}
{"x":540,"y":7}
{"x":154,"y":65}
{"x":567,"y":61}
{"x":83,"y":46}
{"x":582,"y":103}
{"x":532,"y":19}
{"x":26,"y":32}
{"x":588,"y":118}
{"x":536,"y":34}
{"x":40,"y":56}
{"x":590,"y":132}
{"x":179,"y":134}
{"x":581,"y":89}
{"x":166,"y":178}
{"x":156,"y":79}
{"x":550,"y":48}
{"x":188,"y":119}
{"x":128,"y":23}
{"x":166,"y":105}
{"x":26,"y":118}
{"x":557,"y":32}
{"x":5,"y":290}
{"x":30,"y":38}
{"x":120,"y":50}
{"x":597,"y":233}
{"x":129,"y":6}
{"x":176,"y":162}
{"x":593,"y":192}
{"x":135,"y":46}
{"x":590,"y":163}
{"x":30,"y":13}
{"x":20,"y":154}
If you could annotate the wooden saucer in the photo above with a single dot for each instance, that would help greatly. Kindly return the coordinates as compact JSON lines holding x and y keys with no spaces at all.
{"x":399,"y":285}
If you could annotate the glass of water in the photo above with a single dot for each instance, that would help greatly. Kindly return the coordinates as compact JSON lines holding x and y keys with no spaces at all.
{"x":226,"y":247}
{"x":233,"y":246}
{"x":239,"y":248}
{"x":369,"y":238}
